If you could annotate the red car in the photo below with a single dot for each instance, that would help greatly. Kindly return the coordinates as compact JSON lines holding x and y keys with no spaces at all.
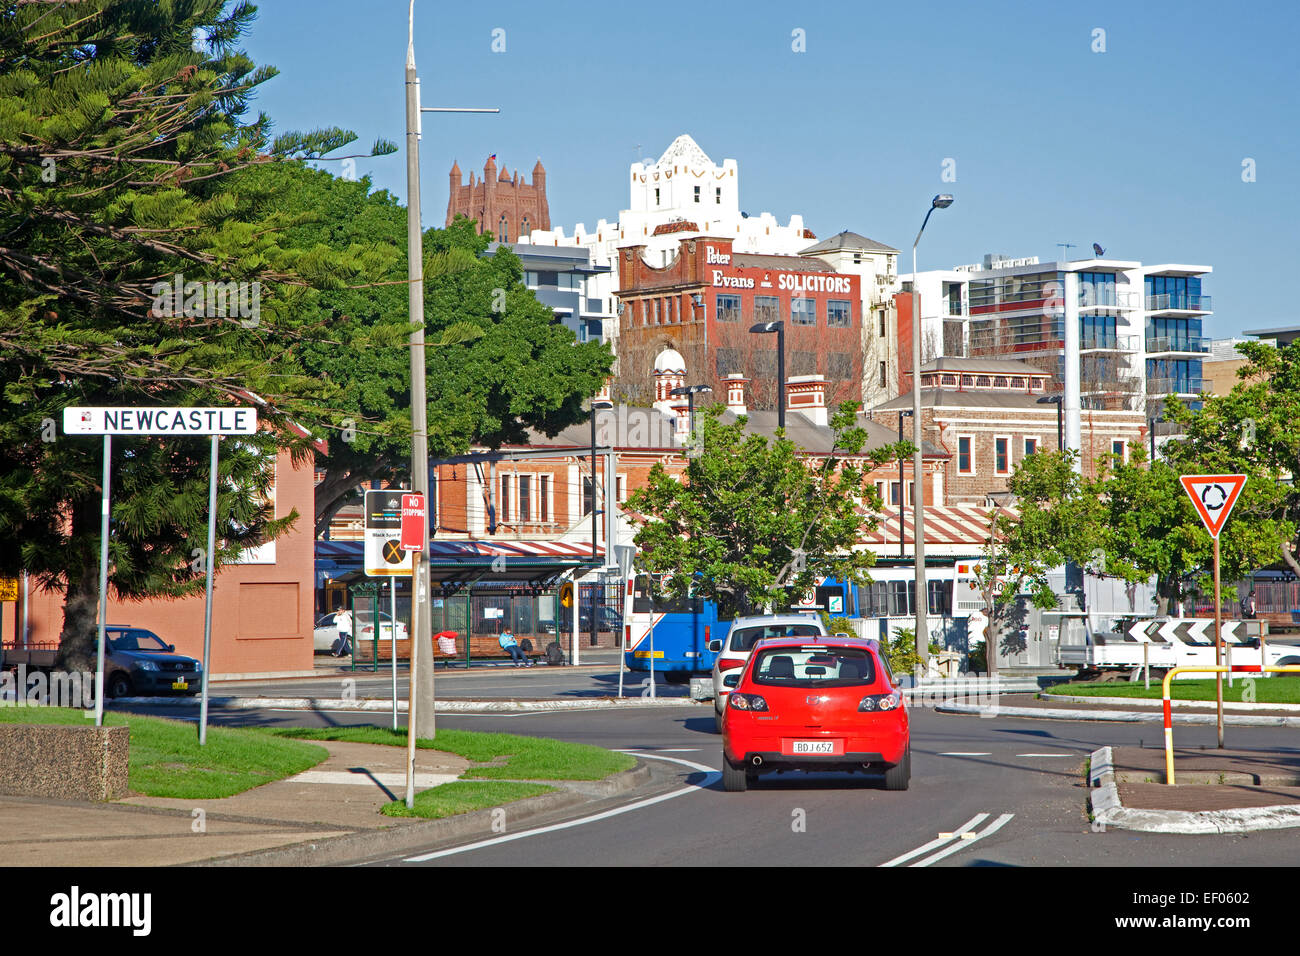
{"x":815,"y":704}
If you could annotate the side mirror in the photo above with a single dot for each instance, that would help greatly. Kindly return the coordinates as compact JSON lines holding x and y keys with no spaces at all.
{"x":715,"y":646}
{"x":171,"y":648}
{"x":731,"y":680}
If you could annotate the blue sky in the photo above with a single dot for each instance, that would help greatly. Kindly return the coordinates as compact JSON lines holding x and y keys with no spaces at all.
{"x":1139,"y":148}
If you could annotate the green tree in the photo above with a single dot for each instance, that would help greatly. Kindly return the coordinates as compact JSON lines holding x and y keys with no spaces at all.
{"x":753,"y":521}
{"x":119,"y":131}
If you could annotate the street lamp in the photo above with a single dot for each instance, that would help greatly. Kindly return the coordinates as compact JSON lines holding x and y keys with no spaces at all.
{"x":779,"y":329}
{"x":1057,"y":400}
{"x":942,"y":201}
{"x":690,"y":391}
{"x":907,"y":413}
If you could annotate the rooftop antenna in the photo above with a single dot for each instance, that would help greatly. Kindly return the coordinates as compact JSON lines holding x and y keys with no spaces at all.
{"x":1066,"y":247}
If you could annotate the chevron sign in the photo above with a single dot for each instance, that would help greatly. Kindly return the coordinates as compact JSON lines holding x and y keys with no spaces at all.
{"x":1188,"y":631}
{"x":1213,"y":496}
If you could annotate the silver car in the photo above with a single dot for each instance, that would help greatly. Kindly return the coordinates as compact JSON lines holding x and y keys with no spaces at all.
{"x":734,"y":650}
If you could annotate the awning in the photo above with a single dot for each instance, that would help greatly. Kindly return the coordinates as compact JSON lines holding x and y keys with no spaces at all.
{"x":498,"y":563}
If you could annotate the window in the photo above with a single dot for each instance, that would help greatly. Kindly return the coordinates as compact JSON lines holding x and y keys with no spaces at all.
{"x":656,"y":196}
{"x":803,"y":363}
{"x":839,"y":313}
{"x":882,"y":323}
{"x":717,"y":196}
{"x":530,"y":279}
{"x":884,"y":376}
{"x":1119,"y":450}
{"x":839,"y":366}
{"x":893,"y":493}
{"x":569,"y":280}
{"x":523,"y":228}
{"x":728,"y":362}
{"x":727,"y":308}
{"x":525,"y":497}
{"x":803,"y":311}
{"x":767,"y":308}
{"x":1002,"y":456}
{"x":948,"y":379}
{"x":654,"y":310}
{"x":965,"y":466}
{"x":620,"y":487}
{"x":503,"y":508}
{"x":1031,"y":446}
{"x":543,"y":493}
{"x":911,"y":493}
{"x":503,"y":230}
{"x":697,"y":193}
{"x":586,"y":496}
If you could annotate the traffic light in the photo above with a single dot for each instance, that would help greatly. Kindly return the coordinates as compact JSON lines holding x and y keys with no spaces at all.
{"x":566,"y":594}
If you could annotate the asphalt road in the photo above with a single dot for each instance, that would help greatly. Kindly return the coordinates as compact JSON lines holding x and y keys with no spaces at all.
{"x":1022,"y":775}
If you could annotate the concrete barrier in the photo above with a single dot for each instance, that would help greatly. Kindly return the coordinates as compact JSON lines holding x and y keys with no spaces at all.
{"x":65,"y":762}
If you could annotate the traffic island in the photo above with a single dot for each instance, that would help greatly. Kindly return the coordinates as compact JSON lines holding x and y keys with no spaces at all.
{"x":1218,"y":791}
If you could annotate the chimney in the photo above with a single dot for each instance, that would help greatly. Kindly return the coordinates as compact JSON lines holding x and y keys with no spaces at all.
{"x":736,"y":383}
{"x":806,"y":394}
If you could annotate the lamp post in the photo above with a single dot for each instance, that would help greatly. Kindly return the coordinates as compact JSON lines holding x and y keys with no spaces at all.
{"x":1058,"y":401}
{"x":904,"y":413}
{"x":420,"y":714}
{"x":942,"y":201}
{"x":779,"y":329}
{"x":690,"y":391}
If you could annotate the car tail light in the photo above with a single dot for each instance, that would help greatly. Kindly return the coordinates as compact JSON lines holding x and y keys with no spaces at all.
{"x":746,"y":702}
{"x":880,"y":702}
{"x":730,"y":663}
{"x":627,"y":634}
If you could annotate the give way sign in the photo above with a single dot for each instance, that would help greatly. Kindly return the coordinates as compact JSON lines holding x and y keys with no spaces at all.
{"x":1213,"y":496}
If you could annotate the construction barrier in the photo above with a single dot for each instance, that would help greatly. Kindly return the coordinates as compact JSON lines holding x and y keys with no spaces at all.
{"x":1234,"y":669}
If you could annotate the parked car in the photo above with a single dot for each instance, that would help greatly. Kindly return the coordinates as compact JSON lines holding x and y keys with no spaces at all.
{"x":363,"y":628}
{"x":733,"y":650}
{"x":137,"y":662}
{"x":815,"y":705}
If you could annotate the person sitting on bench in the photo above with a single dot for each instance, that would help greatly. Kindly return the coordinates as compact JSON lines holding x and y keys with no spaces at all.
{"x":511,"y":647}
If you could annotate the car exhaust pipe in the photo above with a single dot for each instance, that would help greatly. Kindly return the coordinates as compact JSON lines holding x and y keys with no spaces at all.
{"x":756,"y":760}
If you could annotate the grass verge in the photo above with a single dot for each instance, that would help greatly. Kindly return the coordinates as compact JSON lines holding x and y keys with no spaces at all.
{"x":1273,"y":690}
{"x":464,"y":796}
{"x":167,"y":761}
{"x":513,"y":757}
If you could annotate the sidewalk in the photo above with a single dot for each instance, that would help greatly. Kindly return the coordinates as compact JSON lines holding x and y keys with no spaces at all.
{"x":1122,"y":710}
{"x":330,"y":812}
{"x":1218,"y":791}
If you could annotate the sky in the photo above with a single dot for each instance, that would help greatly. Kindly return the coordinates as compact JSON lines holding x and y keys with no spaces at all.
{"x":1166,"y":132}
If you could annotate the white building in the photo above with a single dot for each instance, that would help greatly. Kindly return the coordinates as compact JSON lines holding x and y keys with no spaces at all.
{"x":683,"y":194}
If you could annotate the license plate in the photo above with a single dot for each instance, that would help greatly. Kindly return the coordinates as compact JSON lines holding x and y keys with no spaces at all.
{"x":823,"y":747}
{"x":180,"y":685}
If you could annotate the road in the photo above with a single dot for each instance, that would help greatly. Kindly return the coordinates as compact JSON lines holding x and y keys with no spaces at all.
{"x":1015,"y":783}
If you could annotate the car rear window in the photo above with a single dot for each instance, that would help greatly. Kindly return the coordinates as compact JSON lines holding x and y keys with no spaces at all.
{"x":744,"y":638}
{"x":814,"y":667}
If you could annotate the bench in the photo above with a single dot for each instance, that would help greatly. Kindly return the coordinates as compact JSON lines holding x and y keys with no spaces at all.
{"x":481,"y":647}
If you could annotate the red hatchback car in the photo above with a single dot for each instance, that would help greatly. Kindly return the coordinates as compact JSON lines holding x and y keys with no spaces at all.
{"x":815,"y":704}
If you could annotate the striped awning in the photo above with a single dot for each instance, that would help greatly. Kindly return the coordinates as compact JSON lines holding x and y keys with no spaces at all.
{"x":954,"y":530}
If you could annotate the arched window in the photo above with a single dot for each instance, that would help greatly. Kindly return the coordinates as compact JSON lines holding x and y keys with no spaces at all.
{"x":503,"y":230}
{"x":523,"y":228}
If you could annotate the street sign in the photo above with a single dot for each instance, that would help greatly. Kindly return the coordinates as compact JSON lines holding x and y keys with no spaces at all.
{"x":8,"y":589}
{"x":384,"y":557}
{"x":413,"y":522}
{"x":160,"y":421}
{"x":1213,"y":496}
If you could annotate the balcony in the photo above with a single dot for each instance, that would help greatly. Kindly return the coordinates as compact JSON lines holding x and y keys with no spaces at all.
{"x":1108,"y":343}
{"x":1106,"y":301}
{"x":1157,"y":387}
{"x":1178,"y":302}
{"x":1191,"y":344}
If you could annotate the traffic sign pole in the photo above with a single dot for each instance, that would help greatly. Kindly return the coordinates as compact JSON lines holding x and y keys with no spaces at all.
{"x":103,"y":583}
{"x":1218,"y":643}
{"x":207,"y":599}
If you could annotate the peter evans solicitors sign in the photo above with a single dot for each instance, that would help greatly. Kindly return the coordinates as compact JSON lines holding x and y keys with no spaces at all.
{"x":785,"y":281}
{"x":160,"y":421}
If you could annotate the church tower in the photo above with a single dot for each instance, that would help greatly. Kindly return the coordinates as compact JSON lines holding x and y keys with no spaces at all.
{"x":505,"y":207}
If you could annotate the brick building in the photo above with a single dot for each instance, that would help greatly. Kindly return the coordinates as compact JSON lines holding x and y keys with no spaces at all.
{"x":505,"y":206}
{"x":703,"y":301}
{"x":986,"y":414}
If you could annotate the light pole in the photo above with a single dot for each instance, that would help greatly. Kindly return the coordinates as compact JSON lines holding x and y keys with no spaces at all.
{"x":905,"y":413}
{"x":690,"y":391}
{"x":942,"y":201}
{"x":420,"y":713}
{"x":779,"y":328}
{"x":1058,"y":401}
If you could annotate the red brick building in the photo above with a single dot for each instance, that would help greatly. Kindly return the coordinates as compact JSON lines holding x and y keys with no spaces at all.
{"x":703,"y":303}
{"x":504,"y":206}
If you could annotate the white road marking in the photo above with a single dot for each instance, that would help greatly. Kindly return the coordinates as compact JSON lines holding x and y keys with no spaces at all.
{"x":969,"y":838}
{"x":935,"y":844}
{"x":1044,"y":755}
{"x":712,"y":777}
{"x":671,"y":750}
{"x":959,"y":753}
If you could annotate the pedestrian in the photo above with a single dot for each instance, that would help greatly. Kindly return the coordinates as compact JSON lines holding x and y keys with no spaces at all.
{"x":1248,"y":606}
{"x":511,"y":647}
{"x":343,"y":645}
